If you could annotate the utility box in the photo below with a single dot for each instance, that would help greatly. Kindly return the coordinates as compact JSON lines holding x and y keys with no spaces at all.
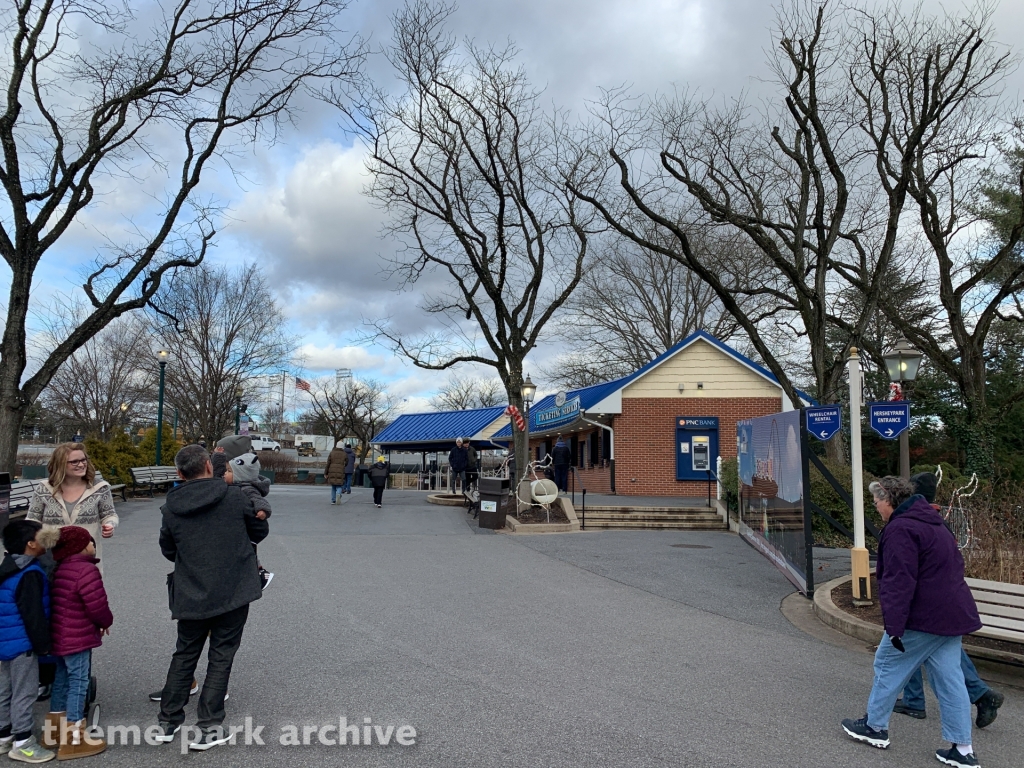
{"x":495,"y":502}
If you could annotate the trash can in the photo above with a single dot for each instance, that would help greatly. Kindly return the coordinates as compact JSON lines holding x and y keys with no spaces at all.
{"x":270,"y":474}
{"x":302,"y":475}
{"x":495,"y":502}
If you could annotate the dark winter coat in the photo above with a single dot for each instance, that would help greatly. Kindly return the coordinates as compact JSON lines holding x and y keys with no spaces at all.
{"x":379,"y":473}
{"x":561,"y":456}
{"x":207,"y":527}
{"x":921,"y":575}
{"x":458,"y":459}
{"x":79,"y":608}
{"x":471,"y":458}
{"x":24,"y":607}
{"x":256,"y":491}
{"x":337,"y":463}
{"x":350,"y":462}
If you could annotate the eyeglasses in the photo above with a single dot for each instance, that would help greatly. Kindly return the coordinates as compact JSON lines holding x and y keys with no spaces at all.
{"x":77,"y":462}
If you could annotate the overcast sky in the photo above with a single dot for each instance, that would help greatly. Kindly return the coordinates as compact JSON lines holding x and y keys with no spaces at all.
{"x":300,"y":212}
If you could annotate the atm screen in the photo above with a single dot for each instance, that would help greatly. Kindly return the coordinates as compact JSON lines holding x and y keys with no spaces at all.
{"x":701,"y":449}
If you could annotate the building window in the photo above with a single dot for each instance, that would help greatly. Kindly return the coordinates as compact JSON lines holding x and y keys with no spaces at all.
{"x":594,"y":440}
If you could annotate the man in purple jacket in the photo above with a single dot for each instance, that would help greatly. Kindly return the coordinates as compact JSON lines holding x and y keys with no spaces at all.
{"x":926,"y":607}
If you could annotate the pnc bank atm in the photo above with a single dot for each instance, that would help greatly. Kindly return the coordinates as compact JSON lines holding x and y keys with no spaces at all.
{"x":696,"y":446}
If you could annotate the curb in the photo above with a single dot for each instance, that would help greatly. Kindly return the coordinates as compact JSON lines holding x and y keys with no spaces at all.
{"x":573,"y":526}
{"x":830,"y":614}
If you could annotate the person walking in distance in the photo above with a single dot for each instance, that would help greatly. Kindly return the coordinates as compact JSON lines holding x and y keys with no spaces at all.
{"x":458,"y":462}
{"x":379,"y":479}
{"x":350,"y":468}
{"x":561,"y":460}
{"x":334,"y":472}
{"x":208,"y":531}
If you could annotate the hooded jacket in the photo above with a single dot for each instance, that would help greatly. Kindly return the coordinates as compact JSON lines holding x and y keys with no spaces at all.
{"x":207,"y":529}
{"x":561,"y":456}
{"x":24,"y":607}
{"x":458,"y":458}
{"x":79,"y":608}
{"x":379,"y":473}
{"x":921,"y":575}
{"x":337,"y":465}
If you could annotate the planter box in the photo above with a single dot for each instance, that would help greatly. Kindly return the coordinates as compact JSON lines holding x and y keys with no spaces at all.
{"x":270,"y":474}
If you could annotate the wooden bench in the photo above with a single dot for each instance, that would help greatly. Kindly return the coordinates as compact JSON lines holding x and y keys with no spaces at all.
{"x":1001,"y":607}
{"x":115,"y":488}
{"x":149,"y":479}
{"x":21,"y":496}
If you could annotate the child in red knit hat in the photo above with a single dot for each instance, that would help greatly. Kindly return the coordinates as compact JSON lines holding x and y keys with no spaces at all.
{"x":79,"y":617}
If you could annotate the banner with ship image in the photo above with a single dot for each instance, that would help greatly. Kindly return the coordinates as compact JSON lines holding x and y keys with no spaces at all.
{"x":772,"y":470}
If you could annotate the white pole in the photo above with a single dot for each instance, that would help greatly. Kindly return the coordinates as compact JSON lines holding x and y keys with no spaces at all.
{"x":856,"y":460}
{"x":860,"y":565}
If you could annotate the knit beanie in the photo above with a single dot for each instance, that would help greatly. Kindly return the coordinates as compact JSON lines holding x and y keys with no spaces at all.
{"x":245,"y":468}
{"x":73,"y":539}
{"x":926,"y":483}
{"x":235,"y":445}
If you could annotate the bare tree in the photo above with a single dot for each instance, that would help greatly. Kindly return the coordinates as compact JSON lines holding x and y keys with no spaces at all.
{"x":351,"y":407}
{"x":818,"y":185}
{"x":464,"y":162}
{"x":145,"y":112}
{"x":272,"y":420}
{"x":224,"y":330}
{"x":465,"y":393}
{"x":105,"y":384}
{"x":632,"y":305}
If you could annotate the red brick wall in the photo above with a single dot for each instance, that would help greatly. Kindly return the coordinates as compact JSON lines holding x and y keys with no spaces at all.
{"x":645,"y":440}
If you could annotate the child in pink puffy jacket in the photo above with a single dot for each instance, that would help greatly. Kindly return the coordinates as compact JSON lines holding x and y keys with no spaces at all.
{"x":79,"y":617}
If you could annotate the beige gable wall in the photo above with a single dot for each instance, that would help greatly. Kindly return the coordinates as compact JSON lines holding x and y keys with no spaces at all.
{"x":488,"y":432}
{"x":722,"y":376}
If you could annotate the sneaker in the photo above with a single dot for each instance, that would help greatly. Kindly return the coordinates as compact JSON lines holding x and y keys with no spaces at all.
{"x":6,"y":744}
{"x":266,"y":577}
{"x":167,"y":732}
{"x":861,"y":731}
{"x":952,"y":756}
{"x":988,"y":708}
{"x":156,"y":695}
{"x":903,"y":709}
{"x":32,"y":752}
{"x":378,"y":506}
{"x":44,"y":692}
{"x":210,"y":737}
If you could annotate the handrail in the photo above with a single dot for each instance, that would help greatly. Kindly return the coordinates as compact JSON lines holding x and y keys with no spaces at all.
{"x":583,"y":489}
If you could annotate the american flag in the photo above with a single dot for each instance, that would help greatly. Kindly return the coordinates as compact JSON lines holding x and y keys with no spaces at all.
{"x":302,"y":384}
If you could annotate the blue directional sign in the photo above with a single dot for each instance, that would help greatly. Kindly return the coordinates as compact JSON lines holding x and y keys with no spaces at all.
{"x":889,"y":419}
{"x":824,"y":421}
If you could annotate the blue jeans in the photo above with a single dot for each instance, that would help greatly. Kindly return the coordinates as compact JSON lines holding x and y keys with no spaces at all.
{"x":913,"y":692}
{"x":347,"y":487}
{"x":334,"y":492}
{"x":941,"y":656}
{"x":71,"y":685}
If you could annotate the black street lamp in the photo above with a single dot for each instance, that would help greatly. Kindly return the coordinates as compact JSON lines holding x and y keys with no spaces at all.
{"x":162,"y":356}
{"x":902,"y":362}
{"x":238,"y":406}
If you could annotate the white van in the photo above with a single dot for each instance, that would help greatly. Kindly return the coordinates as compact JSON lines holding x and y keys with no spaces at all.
{"x":261,"y":443}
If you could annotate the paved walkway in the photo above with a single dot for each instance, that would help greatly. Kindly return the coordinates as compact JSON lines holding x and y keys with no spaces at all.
{"x":590,"y":649}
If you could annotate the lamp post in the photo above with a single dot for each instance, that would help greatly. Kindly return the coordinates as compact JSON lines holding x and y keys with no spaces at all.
{"x":162,"y":356}
{"x":528,"y":391}
{"x":124,"y":417}
{"x":902,"y":362}
{"x":238,"y":405}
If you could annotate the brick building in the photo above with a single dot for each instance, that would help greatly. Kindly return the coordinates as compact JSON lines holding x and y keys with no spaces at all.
{"x":665,"y":425}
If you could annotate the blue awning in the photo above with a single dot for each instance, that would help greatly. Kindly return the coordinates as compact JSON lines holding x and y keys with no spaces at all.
{"x":436,"y":431}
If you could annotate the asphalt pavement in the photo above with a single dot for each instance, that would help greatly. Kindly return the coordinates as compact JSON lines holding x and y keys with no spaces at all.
{"x":639,"y":648}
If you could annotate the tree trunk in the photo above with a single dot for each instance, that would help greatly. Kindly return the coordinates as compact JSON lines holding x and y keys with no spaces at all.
{"x":12,"y":414}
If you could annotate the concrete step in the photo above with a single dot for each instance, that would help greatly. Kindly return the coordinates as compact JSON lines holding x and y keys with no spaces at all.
{"x":626,"y":509}
{"x":674,"y":525}
{"x":657,"y":517}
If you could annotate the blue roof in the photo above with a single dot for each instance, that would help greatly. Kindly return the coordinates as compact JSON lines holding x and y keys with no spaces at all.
{"x":591,"y":396}
{"x":440,"y":427}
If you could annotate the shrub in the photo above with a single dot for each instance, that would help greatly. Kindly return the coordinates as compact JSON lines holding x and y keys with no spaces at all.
{"x":284,"y":465}
{"x":168,"y":448}
{"x":826,"y":497}
{"x":114,"y":458}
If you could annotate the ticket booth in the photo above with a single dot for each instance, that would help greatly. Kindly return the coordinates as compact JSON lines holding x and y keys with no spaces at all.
{"x":696,"y":447}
